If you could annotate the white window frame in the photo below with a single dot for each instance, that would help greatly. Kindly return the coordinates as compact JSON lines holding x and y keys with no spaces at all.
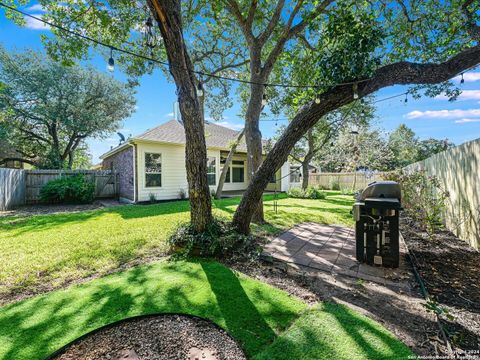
{"x":145,"y":170}
{"x":296,"y":174}
{"x":214,"y":158}
{"x":238,"y":166}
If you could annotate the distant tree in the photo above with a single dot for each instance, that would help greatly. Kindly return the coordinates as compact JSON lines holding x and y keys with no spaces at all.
{"x":48,"y":110}
{"x":430,"y":147}
{"x":349,"y":152}
{"x":404,"y":146}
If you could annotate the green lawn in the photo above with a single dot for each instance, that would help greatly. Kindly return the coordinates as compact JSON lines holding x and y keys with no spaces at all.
{"x":51,"y":249}
{"x":256,"y":314}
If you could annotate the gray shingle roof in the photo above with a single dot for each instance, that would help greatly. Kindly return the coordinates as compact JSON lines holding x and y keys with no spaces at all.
{"x":172,"y":132}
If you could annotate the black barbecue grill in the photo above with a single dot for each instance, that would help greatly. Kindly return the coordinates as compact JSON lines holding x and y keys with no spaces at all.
{"x":376,"y":224}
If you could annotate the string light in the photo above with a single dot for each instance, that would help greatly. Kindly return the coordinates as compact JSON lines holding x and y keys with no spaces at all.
{"x":165,"y":63}
{"x":462,"y":80}
{"x":111,"y":62}
{"x":406,"y":97}
{"x":264,"y":96}
{"x":200,"y":92}
{"x":355,"y":91}
{"x":317,"y":100}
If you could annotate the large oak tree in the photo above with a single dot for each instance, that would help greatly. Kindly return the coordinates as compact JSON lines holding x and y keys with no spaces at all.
{"x":48,"y":110}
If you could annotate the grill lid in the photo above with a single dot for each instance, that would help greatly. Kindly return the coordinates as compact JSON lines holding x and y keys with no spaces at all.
{"x":382,"y":189}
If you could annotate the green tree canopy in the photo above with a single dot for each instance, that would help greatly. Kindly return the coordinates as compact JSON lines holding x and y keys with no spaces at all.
{"x":48,"y":110}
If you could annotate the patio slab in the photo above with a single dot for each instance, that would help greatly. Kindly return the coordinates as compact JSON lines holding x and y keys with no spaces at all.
{"x":331,"y":249}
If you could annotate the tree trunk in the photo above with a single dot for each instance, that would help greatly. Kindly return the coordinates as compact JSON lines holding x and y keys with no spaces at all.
{"x":305,"y":165}
{"x":253,"y":138}
{"x":228,"y":160}
{"x":168,"y":15}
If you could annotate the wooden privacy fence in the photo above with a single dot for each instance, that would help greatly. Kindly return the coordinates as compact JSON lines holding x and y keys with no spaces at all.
{"x":12,"y":188}
{"x":106,"y":182}
{"x":19,"y":187}
{"x":344,"y":180}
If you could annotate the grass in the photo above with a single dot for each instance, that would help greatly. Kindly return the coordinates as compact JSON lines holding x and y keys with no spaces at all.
{"x":48,"y":250}
{"x":257,"y":315}
{"x":333,"y":331}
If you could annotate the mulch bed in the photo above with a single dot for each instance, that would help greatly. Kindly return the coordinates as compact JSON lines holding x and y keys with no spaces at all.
{"x":156,"y":337}
{"x":450,"y":269}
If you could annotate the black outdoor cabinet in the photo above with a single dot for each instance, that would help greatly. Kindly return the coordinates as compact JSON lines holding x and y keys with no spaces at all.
{"x":376,"y":213}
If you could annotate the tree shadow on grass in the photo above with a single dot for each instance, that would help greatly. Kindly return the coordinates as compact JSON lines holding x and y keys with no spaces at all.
{"x":34,"y":328}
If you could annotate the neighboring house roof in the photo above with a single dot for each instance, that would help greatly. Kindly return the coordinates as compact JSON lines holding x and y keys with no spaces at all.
{"x":216,"y":136}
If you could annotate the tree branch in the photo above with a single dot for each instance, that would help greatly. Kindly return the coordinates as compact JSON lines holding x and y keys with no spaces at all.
{"x":265,"y":35}
{"x":5,"y":160}
{"x":401,"y":73}
{"x":234,"y":9}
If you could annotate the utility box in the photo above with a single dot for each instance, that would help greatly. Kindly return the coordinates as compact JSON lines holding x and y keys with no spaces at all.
{"x":376,"y":214}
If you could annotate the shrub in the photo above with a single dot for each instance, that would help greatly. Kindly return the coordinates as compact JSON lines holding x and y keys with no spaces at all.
{"x":423,"y":198}
{"x":68,"y":190}
{"x":334,"y":184}
{"x":309,"y":193}
{"x":152,"y":198}
{"x":182,"y":194}
{"x":219,"y":240}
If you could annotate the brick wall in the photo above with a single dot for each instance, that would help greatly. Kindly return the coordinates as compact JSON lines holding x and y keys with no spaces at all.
{"x":122,"y":163}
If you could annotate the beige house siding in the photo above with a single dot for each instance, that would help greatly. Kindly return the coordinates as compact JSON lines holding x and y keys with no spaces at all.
{"x":174,"y":177}
{"x":458,"y":170}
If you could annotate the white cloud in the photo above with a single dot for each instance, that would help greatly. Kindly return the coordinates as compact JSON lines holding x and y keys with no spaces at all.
{"x":36,"y":7}
{"x":468,"y":77}
{"x":34,"y":24}
{"x":229,"y":125}
{"x":466,"y":120}
{"x":170,"y":114}
{"x":444,"y":114}
{"x":465,"y":95}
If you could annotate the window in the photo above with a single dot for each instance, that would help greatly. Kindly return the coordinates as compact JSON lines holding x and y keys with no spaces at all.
{"x":211,"y":171}
{"x":236,"y":172}
{"x":295,"y":174}
{"x":153,"y":170}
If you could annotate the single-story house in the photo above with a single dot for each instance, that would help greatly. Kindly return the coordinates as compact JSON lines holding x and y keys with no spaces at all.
{"x":152,"y":165}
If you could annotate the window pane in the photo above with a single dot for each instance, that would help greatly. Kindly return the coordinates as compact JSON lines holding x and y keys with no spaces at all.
{"x":227,"y":178}
{"x":238,"y":162}
{"x":211,"y":179}
{"x":211,"y":165}
{"x":153,"y":180}
{"x":294,"y":174}
{"x":238,"y":174}
{"x":153,"y":163}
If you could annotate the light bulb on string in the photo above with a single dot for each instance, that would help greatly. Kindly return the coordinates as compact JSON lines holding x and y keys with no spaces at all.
{"x":317,"y":100}
{"x":264,"y":97}
{"x":355,"y":91}
{"x":111,"y":62}
{"x":406,"y":98}
{"x":200,"y":92}
{"x":462,"y":80}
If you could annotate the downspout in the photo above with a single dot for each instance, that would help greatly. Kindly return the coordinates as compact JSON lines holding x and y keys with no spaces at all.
{"x":134,"y":150}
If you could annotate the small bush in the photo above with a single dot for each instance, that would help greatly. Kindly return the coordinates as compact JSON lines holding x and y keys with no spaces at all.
{"x":152,"y":198}
{"x":309,"y":193}
{"x":68,"y":190}
{"x":334,"y":184}
{"x":182,"y":194}
{"x":219,"y":240}
{"x":423,"y":198}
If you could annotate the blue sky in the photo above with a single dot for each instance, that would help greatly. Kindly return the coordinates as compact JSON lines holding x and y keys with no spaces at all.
{"x":458,"y":121}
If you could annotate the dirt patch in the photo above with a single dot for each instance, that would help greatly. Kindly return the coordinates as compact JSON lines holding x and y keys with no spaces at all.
{"x":450,"y":269}
{"x":156,"y":337}
{"x":40,"y":209}
{"x":400,"y":311}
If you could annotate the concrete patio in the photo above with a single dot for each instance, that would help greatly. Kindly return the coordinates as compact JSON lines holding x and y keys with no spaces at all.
{"x":331,"y":249}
